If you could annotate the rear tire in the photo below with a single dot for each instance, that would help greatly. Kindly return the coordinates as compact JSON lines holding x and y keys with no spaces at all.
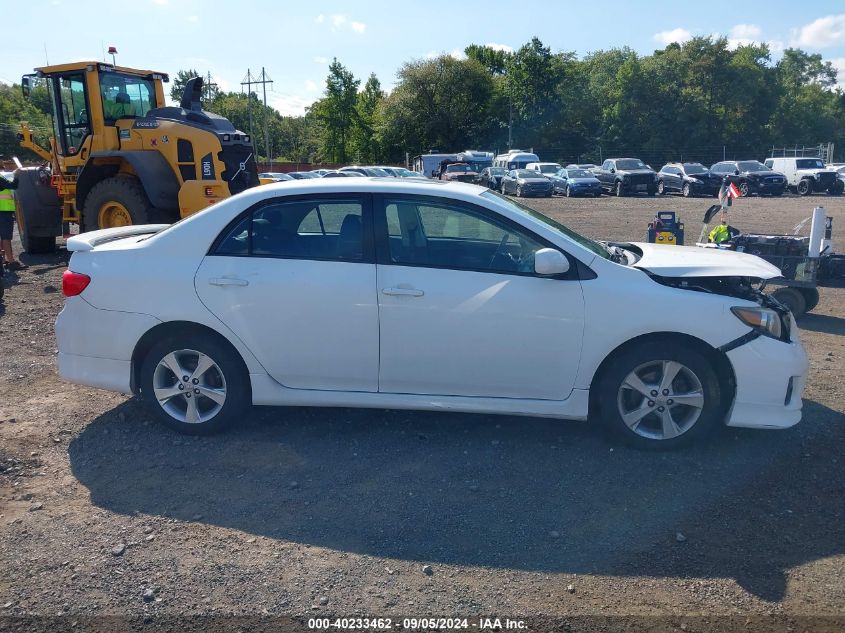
{"x":116,"y":201}
{"x":792,"y":298}
{"x":811,"y":298}
{"x":219,"y":396}
{"x":666,"y":370}
{"x":38,"y":245}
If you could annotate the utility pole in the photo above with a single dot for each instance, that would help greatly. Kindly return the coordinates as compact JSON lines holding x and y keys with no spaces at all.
{"x":207,"y":86}
{"x":248,"y":81}
{"x":264,"y":81}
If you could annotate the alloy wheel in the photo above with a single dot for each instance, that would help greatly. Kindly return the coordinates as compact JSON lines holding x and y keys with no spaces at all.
{"x":189,"y":386}
{"x":660,"y":400}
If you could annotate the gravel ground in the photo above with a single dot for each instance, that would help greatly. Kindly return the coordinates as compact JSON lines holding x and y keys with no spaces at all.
{"x":313,"y":512}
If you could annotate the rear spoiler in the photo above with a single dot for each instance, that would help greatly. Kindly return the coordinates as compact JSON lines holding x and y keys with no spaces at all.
{"x":90,"y":240}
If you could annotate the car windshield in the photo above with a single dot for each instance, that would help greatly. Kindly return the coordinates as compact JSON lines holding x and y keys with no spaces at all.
{"x":694,"y":168}
{"x":549,"y":169}
{"x":630,"y":163}
{"x":375,"y":171}
{"x":809,"y":163}
{"x":590,"y":245}
{"x":497,"y":171}
{"x":577,"y":173}
{"x":751,"y":165}
{"x":525,"y":173}
{"x":458,"y":168}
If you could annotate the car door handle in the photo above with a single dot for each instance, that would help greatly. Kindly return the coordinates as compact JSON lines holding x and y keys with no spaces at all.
{"x":402,"y":292}
{"x":228,"y":281}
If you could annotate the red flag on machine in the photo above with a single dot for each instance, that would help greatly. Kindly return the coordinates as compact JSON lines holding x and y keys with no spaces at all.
{"x":733,"y":191}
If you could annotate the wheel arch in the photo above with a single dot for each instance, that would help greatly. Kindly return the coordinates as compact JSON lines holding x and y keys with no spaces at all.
{"x":721,"y":364}
{"x":175,"y":328}
{"x":151,"y":168}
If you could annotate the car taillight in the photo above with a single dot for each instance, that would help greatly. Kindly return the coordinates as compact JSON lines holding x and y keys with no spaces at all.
{"x":74,"y":283}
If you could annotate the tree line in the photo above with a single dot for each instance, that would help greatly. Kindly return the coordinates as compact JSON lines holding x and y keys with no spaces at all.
{"x":698,"y":100}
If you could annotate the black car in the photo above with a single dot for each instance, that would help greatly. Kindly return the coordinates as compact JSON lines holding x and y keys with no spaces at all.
{"x":624,"y":176}
{"x":690,"y":179}
{"x":751,"y":176}
{"x":573,"y":182}
{"x":490,"y":177}
{"x":523,"y":182}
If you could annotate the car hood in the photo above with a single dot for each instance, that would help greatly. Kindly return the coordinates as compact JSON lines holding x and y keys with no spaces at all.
{"x":591,"y":180}
{"x":635,"y":172}
{"x":533,"y":179}
{"x":695,"y":261}
{"x":761,"y":174}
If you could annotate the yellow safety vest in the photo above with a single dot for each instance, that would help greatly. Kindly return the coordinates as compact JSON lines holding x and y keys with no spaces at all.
{"x":720,"y":234}
{"x":7,"y":200}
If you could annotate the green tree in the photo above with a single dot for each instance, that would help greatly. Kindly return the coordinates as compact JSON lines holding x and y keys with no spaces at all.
{"x":439,"y":103}
{"x":336,"y":113}
{"x":493,"y":59}
{"x":364,"y":143}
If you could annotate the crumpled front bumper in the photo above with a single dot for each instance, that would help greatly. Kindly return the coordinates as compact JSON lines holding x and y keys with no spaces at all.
{"x":770,"y":378}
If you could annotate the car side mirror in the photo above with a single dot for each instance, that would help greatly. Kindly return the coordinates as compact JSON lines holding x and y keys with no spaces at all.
{"x":548,"y":261}
{"x":736,"y":172}
{"x":612,"y":170}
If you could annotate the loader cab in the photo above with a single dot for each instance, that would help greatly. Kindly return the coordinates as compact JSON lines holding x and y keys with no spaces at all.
{"x":89,"y":98}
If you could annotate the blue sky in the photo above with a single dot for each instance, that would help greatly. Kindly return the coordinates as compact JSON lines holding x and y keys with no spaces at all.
{"x":295,"y":41}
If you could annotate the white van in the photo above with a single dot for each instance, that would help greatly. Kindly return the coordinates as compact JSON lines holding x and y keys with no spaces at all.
{"x":807,"y":175}
{"x":546,"y":169}
{"x":515,"y":159}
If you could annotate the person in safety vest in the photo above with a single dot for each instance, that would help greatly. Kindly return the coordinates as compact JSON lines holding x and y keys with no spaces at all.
{"x":7,"y":220}
{"x":722,"y":232}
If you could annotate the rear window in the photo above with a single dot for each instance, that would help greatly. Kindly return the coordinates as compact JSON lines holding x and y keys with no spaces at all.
{"x":321,"y":229}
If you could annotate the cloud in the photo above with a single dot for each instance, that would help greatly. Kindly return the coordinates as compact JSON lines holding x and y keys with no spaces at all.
{"x":500,"y":47}
{"x":822,"y":33}
{"x":339,"y":22}
{"x":310,"y":86}
{"x":431,"y":54}
{"x":193,"y":18}
{"x":839,"y":65}
{"x":291,"y":105}
{"x":458,"y":53}
{"x":678,"y":35}
{"x":745,"y":32}
{"x":321,"y":60}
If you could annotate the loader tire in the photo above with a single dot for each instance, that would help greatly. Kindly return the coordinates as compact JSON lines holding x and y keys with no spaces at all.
{"x":116,"y":201}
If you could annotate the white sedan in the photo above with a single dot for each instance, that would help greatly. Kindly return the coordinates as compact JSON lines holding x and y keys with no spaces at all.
{"x":398,"y":294}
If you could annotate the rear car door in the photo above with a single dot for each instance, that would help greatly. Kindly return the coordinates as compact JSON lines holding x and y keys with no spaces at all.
{"x":461,"y":310}
{"x":294,"y":278}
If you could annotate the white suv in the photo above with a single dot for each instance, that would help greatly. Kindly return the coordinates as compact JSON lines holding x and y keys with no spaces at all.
{"x":546,"y":169}
{"x":807,"y":175}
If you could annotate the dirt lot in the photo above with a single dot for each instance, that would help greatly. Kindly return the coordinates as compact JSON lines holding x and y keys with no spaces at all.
{"x":311,"y":512}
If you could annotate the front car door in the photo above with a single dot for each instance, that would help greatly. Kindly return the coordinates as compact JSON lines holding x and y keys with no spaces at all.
{"x":605,"y":175}
{"x":294,"y":279}
{"x":461,"y":311}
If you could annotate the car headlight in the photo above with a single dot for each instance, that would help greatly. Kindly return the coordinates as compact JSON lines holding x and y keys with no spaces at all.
{"x":695,"y":180}
{"x":764,"y":320}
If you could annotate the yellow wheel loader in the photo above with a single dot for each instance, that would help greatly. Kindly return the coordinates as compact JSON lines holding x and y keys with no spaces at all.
{"x":120,"y":156}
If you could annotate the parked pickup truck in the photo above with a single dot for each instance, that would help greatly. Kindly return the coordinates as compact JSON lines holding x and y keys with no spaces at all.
{"x":625,"y":176}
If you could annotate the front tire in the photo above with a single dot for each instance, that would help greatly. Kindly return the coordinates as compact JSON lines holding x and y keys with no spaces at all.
{"x":518,"y":191}
{"x":687,"y":190}
{"x":194,"y":384}
{"x":837,"y":188}
{"x":744,"y":189}
{"x":804,"y":188}
{"x":116,"y":201}
{"x":661,"y":188}
{"x":660,"y":396}
{"x":619,"y":191}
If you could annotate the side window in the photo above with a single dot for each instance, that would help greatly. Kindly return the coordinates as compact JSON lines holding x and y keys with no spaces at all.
{"x":718,"y":168}
{"x":73,"y":117}
{"x":441,"y":235}
{"x":606,"y":165}
{"x":302,"y":229}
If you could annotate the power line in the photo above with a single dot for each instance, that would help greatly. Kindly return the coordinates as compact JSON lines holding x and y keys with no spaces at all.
{"x":248,"y":81}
